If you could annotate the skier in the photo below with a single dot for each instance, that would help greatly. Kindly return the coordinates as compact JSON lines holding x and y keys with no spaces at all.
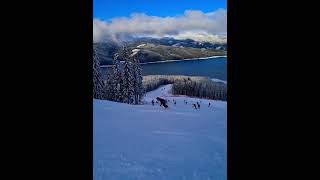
{"x":175,"y":103}
{"x":198,"y":105}
{"x":209,"y":104}
{"x":152,"y":102}
{"x":194,"y":105}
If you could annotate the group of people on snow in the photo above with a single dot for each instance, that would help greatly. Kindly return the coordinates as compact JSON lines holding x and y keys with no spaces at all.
{"x":196,"y":106}
{"x":163,"y":102}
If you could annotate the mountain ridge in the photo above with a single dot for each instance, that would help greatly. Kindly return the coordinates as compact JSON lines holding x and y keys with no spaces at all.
{"x":153,"y":50}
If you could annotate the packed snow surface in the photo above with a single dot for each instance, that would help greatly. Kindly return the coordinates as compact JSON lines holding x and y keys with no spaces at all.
{"x":153,"y":143}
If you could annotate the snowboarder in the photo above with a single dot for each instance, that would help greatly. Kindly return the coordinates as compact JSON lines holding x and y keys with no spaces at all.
{"x":163,"y":102}
{"x":152,"y":102}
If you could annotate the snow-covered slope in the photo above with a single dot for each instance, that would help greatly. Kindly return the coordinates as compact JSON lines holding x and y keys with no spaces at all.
{"x":152,"y":143}
{"x":218,"y":80}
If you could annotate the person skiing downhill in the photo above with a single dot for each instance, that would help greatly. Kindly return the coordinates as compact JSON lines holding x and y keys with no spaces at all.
{"x":209,"y":104}
{"x":198,"y":105}
{"x":194,"y":105}
{"x":152,"y":102}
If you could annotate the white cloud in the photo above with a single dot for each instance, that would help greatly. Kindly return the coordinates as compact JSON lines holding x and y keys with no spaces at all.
{"x":193,"y":24}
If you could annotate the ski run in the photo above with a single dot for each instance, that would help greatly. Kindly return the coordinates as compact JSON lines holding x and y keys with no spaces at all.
{"x":149,"y":142}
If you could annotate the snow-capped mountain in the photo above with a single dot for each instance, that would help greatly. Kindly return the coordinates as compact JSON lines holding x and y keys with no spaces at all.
{"x":181,"y":43}
{"x":152,"y":49}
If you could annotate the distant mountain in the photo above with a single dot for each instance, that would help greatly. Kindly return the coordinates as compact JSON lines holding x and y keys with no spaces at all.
{"x":152,"y":50}
{"x":181,"y":43}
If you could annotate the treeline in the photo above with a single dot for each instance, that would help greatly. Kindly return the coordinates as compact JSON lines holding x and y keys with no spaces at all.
{"x":201,"y":88}
{"x":152,"y":82}
{"x":194,"y":86}
{"x":124,"y":82}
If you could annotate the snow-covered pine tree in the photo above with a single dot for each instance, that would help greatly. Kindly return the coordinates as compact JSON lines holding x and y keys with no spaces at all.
{"x":117,"y":78}
{"x":98,"y":83}
{"x":128,"y":77}
{"x":109,"y":88}
{"x":138,"y":85}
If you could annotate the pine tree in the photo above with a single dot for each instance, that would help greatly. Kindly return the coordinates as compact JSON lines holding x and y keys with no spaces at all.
{"x":137,"y":81}
{"x":127,"y":78}
{"x":109,"y":88}
{"x":117,"y":79}
{"x":124,"y":83}
{"x":98,"y":83}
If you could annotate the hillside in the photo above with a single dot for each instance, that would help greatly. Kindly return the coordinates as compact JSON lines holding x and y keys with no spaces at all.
{"x":150,"y":142}
{"x":151,"y":52}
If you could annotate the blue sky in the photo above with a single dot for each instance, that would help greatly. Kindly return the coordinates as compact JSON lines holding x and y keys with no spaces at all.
{"x":108,"y":9}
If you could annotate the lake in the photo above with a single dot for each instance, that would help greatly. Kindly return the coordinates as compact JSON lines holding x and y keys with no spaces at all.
{"x":211,"y":67}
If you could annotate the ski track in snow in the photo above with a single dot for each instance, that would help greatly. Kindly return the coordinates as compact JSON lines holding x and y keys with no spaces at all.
{"x":154,"y":143}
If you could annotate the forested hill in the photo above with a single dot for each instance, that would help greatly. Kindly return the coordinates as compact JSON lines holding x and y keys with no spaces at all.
{"x":152,"y":50}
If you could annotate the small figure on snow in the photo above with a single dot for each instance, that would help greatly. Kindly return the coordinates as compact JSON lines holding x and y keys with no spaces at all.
{"x":175,"y":103}
{"x":163,"y":102}
{"x":198,"y":105}
{"x":209,"y":104}
{"x":152,"y":102}
{"x":194,"y":105}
